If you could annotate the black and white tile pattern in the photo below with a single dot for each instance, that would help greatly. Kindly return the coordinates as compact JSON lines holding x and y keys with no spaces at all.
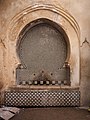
{"x":42,"y":98}
{"x":35,"y":82}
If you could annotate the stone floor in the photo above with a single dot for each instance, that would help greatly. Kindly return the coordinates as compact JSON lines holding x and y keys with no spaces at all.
{"x":59,"y":113}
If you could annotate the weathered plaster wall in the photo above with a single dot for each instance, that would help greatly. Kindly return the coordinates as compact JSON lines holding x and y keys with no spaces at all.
{"x":79,"y":9}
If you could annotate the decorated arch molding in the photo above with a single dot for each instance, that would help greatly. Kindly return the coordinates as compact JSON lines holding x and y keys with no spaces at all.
{"x":43,"y":7}
{"x":55,"y":14}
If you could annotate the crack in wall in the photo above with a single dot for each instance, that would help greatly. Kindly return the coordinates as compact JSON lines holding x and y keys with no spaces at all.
{"x":2,"y":43}
{"x":85,"y":42}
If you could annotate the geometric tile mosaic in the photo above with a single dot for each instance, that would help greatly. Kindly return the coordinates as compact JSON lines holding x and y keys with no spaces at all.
{"x":42,"y":98}
{"x":35,"y":82}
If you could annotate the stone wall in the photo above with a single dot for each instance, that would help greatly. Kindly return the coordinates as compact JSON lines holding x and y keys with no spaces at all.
{"x":78,"y":9}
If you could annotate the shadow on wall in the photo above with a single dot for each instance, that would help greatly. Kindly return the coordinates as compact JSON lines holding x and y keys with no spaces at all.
{"x":85,"y":73}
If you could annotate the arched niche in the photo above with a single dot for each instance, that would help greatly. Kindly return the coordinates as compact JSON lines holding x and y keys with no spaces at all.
{"x":55,"y":14}
{"x":44,"y":50}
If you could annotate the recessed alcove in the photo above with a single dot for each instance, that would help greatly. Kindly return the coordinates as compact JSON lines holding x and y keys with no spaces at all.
{"x":43,"y":58}
{"x":43,"y":49}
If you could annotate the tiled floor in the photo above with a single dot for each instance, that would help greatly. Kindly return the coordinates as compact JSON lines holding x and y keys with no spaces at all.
{"x":59,"y":113}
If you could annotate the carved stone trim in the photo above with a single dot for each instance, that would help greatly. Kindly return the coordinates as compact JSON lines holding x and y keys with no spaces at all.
{"x":55,"y":14}
{"x":49,"y":7}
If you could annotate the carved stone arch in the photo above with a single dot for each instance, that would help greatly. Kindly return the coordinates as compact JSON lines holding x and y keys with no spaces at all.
{"x":59,"y":16}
